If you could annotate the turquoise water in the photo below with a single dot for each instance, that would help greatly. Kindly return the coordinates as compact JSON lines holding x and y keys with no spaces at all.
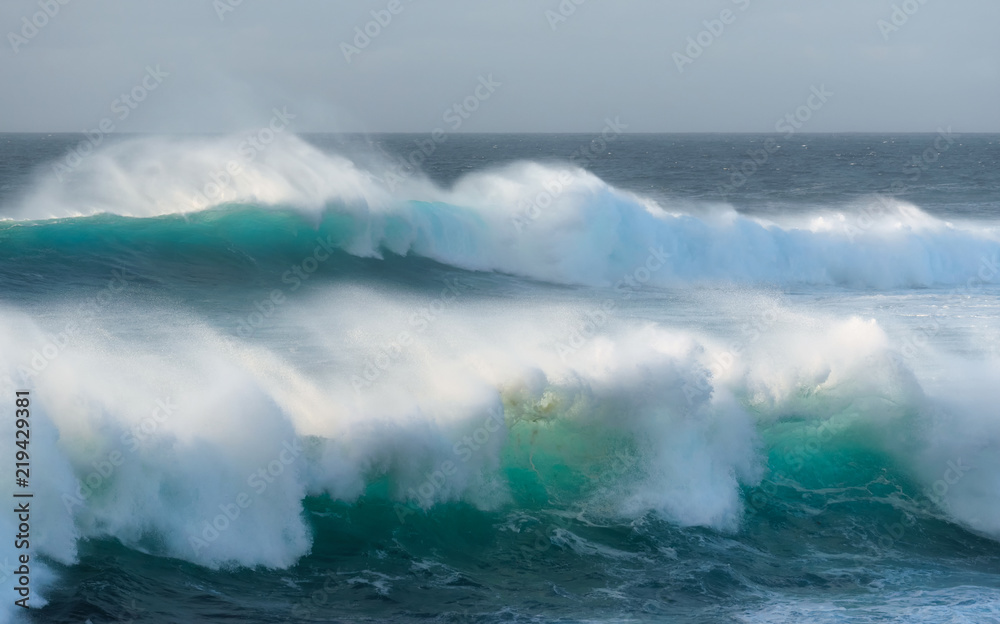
{"x":508,"y":389}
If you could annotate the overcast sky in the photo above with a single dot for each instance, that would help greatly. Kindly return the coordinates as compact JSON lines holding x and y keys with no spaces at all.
{"x":939,"y":66}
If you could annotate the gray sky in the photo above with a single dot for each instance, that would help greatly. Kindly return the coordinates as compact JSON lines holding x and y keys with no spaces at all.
{"x":940,"y":67}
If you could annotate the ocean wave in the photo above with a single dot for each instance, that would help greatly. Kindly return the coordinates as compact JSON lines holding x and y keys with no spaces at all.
{"x":549,"y":222}
{"x":175,"y":424}
{"x":205,"y":448}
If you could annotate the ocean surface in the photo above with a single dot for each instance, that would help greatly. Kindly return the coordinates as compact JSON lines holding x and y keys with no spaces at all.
{"x":504,"y":378}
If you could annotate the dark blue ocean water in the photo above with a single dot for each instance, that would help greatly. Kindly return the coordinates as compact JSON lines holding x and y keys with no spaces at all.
{"x":533,"y":378}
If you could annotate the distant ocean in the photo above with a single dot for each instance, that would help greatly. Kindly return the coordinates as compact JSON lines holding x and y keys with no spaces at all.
{"x":504,"y":378}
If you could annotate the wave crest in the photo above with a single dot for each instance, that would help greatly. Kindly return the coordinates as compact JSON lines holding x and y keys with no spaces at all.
{"x":555,"y":223}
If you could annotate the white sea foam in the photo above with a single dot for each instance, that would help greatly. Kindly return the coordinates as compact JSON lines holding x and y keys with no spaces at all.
{"x":234,"y":409}
{"x":546,"y":221}
{"x":191,"y":418}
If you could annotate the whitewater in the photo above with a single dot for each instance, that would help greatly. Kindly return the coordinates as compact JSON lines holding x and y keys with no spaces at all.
{"x":335,"y":393}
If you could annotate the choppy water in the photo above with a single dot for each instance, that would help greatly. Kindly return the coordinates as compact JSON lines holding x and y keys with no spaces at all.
{"x":641,"y":382}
